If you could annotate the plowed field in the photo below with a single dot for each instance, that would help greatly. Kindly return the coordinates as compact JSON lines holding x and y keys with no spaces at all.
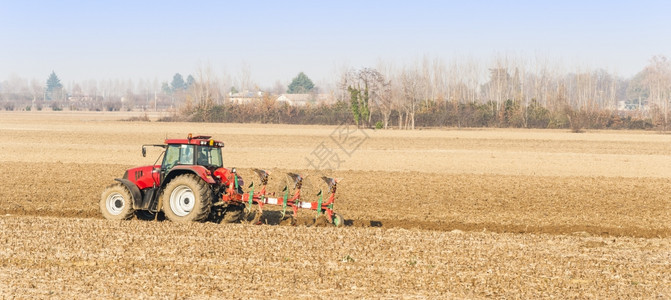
{"x":472,"y":213}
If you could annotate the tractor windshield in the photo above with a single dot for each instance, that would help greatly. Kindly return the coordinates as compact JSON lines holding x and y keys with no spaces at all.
{"x":209,"y":156}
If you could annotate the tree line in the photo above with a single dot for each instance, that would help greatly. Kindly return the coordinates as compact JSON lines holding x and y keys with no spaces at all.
{"x":506,"y":92}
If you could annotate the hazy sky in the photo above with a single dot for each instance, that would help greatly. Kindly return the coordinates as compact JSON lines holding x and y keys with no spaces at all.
{"x":121,"y":39}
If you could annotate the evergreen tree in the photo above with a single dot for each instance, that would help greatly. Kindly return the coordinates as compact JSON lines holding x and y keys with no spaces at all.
{"x":165,"y":88}
{"x":54,"y":85}
{"x":177,"y":83}
{"x":301,"y":84}
{"x":190,"y":81}
{"x":354,"y":104}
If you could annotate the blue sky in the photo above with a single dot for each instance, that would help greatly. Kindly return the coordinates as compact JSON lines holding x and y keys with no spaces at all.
{"x":277,"y":39}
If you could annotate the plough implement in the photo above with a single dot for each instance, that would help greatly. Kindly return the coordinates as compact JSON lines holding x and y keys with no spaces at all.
{"x":191,"y":184}
{"x":323,"y":207}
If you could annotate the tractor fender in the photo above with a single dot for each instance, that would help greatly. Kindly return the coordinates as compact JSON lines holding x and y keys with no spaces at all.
{"x":199,"y":171}
{"x":134,"y":192}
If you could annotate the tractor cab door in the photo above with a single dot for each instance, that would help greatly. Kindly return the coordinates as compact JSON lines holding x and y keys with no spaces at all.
{"x":177,"y":155}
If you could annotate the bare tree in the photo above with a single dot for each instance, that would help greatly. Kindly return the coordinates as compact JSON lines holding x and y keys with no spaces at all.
{"x":658,"y":81}
{"x":414,"y":91}
{"x":386,"y":94}
{"x":245,"y":79}
{"x":37,"y":91}
{"x":385,"y":101}
{"x":279,"y":88}
{"x":203,"y":94}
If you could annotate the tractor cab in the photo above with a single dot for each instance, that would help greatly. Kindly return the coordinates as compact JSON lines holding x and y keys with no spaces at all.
{"x":199,"y":150}
{"x":188,"y":154}
{"x":200,"y":154}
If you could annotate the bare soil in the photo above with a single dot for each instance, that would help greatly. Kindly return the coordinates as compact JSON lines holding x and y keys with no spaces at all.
{"x":46,"y":257}
{"x":461,"y":213}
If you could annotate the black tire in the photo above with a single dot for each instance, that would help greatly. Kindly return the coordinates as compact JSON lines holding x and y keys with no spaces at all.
{"x":116,"y":203}
{"x":187,"y":198}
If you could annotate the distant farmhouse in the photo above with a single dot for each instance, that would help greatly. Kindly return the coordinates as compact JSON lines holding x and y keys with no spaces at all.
{"x":289,"y":99}
{"x":632,"y":105}
{"x":304,"y":99}
{"x":245,"y":97}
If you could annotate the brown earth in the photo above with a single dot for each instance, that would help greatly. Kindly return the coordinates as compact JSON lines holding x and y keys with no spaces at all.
{"x":44,"y":257}
{"x":579,"y":203}
{"x":498,"y":203}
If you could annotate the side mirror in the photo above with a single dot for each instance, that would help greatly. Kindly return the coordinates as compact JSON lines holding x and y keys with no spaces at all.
{"x":144,"y":152}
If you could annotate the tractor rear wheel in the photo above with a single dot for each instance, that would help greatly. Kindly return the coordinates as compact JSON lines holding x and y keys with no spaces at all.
{"x":115,"y":203}
{"x":187,"y":198}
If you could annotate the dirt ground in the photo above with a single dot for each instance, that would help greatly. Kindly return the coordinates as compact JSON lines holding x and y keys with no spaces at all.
{"x":45,"y":257}
{"x":463,"y":213}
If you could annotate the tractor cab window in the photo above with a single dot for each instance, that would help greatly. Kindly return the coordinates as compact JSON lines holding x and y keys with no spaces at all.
{"x":178,"y":154}
{"x":209,"y":156}
{"x":186,"y":154}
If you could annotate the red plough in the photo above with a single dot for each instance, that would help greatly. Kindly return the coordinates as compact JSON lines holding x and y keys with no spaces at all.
{"x":262,"y":197}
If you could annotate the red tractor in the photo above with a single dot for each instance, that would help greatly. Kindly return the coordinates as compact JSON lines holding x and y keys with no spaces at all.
{"x":191,"y":184}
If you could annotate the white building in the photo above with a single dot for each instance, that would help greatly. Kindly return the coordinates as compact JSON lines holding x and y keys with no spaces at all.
{"x":304,"y":99}
{"x":245,"y":97}
{"x":629,"y":105}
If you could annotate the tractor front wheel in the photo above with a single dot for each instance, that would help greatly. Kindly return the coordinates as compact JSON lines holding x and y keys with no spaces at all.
{"x":115,"y":203}
{"x":187,"y":198}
